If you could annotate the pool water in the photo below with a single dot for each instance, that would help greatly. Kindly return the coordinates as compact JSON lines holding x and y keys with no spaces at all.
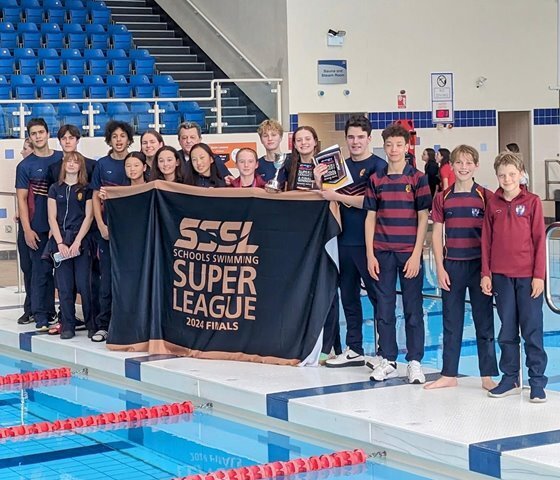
{"x":159,"y":449}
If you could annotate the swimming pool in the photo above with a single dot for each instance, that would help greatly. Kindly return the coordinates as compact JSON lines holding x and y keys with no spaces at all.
{"x":159,"y":449}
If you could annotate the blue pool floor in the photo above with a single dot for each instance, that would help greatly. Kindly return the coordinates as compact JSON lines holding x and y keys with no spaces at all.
{"x":178,"y":446}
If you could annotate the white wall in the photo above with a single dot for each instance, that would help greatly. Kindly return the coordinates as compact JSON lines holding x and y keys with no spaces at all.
{"x":256,"y":27}
{"x":394,"y":45}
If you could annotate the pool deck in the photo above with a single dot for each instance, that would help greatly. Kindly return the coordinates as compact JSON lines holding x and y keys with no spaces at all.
{"x":461,"y":427}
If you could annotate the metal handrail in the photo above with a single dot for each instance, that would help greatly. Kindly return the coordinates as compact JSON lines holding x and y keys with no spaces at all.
{"x":547,"y":180}
{"x":215,"y":94}
{"x":220,"y":34}
{"x":552,"y":229}
{"x":19,"y":282}
{"x":216,"y":85}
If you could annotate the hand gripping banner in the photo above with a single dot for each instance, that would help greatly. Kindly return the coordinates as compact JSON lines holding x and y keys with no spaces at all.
{"x":224,"y":273}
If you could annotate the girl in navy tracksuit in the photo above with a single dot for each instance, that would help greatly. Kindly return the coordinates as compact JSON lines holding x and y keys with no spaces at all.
{"x":70,"y":214}
{"x":167,"y":166}
{"x":201,"y":170}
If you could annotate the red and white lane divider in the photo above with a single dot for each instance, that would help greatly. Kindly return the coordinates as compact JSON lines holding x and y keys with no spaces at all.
{"x":69,"y":424}
{"x":36,"y":376}
{"x":291,"y":467}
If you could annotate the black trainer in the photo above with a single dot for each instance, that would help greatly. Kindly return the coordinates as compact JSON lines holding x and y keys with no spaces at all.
{"x":25,"y":319}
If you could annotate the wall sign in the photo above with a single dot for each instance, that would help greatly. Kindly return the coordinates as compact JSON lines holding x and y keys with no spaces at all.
{"x":442,"y":97}
{"x":331,"y":72}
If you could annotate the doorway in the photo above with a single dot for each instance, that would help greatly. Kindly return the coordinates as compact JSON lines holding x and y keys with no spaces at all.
{"x":515,"y":127}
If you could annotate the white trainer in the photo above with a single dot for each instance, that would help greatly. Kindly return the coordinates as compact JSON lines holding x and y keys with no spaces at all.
{"x":373,"y":362}
{"x":348,"y":358}
{"x":326,"y":356}
{"x":415,"y":373}
{"x":384,"y":371}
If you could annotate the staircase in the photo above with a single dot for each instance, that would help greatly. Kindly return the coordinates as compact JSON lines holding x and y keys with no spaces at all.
{"x":178,"y":56}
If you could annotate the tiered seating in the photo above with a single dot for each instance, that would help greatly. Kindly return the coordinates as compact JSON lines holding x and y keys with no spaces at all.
{"x":69,"y":49}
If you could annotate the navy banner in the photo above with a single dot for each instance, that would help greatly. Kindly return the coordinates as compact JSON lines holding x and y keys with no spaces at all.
{"x":219,"y":273}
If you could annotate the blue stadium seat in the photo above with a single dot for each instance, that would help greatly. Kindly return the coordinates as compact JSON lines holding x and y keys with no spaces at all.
{"x":71,"y":86}
{"x":93,"y":4}
{"x":121,"y":66}
{"x":69,"y":80}
{"x":7,"y":27}
{"x":74,"y":4}
{"x":170,"y":118}
{"x":94,"y":28}
{"x":115,"y":53}
{"x":25,"y":92}
{"x":75,"y":66}
{"x":9,"y":39}
{"x":98,"y":40}
{"x":24,"y":53}
{"x":116,"y":28}
{"x":119,"y":86}
{"x":52,"y":4}
{"x":145,"y":66}
{"x":49,"y":62}
{"x":197,"y":117}
{"x":119,"y":111}
{"x":139,"y":53}
{"x":95,"y":86}
{"x":33,"y":15}
{"x":5,"y":89}
{"x":71,"y":114}
{"x":113,"y":80}
{"x":47,"y":53}
{"x":77,"y":16}
{"x":6,"y":62}
{"x":54,"y":40}
{"x":29,"y":4}
{"x":168,"y":91}
{"x":41,"y":80}
{"x":72,"y":28}
{"x":26,"y":62}
{"x":139,"y":80}
{"x":162,"y":80}
{"x":31,"y":39}
{"x":188,"y":107}
{"x":76,"y":40}
{"x":141,"y":86}
{"x":191,"y":112}
{"x":49,"y":92}
{"x":93,"y":53}
{"x":97,"y":66}
{"x":27,"y":27}
{"x":46,"y":111}
{"x":142,"y":117}
{"x":50,"y":66}
{"x":51,"y":28}
{"x":70,"y":53}
{"x":47,"y":86}
{"x":99,"y":15}
{"x":9,"y":3}
{"x":121,"y":40}
{"x":55,"y":15}
{"x":144,"y":91}
{"x":11,"y":14}
{"x":73,"y":63}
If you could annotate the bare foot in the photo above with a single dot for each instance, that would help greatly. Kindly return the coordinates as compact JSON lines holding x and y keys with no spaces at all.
{"x":488,"y":383}
{"x":442,"y":382}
